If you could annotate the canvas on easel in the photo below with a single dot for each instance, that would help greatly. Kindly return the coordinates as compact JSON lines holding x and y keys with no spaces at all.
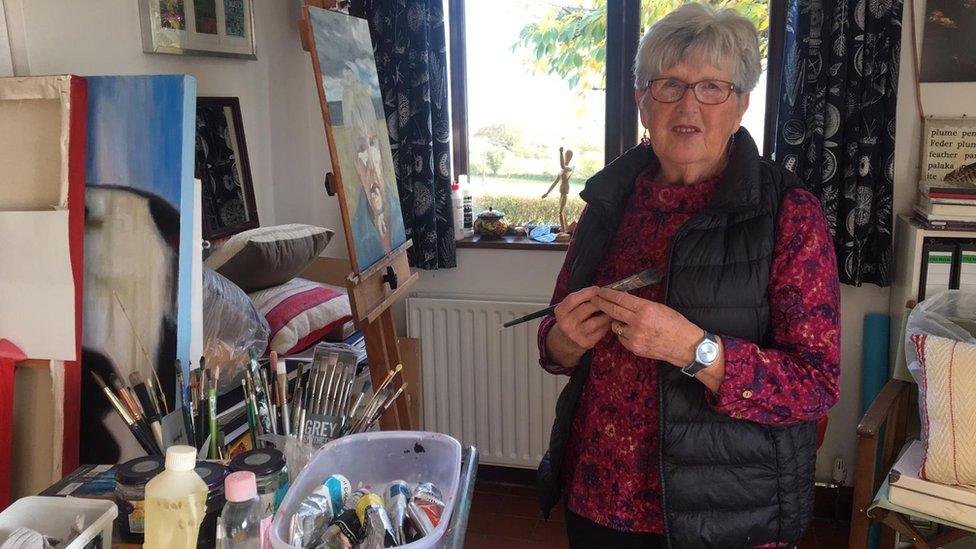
{"x":363,"y":178}
{"x":359,"y":139}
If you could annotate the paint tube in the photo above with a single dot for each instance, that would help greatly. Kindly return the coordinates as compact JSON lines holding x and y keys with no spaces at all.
{"x":343,"y":533}
{"x":425,"y":508}
{"x":316,"y":511}
{"x":377,"y":529}
{"x":396,"y":496}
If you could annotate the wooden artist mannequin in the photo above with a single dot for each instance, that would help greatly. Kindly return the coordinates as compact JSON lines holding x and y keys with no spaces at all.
{"x":563,"y":179}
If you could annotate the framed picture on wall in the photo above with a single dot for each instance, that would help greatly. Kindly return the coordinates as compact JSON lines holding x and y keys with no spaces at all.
{"x":948,"y":55}
{"x":198,"y":27}
{"x":223,"y":169}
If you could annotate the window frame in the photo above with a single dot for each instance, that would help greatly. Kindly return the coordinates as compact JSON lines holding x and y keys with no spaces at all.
{"x":621,"y":118}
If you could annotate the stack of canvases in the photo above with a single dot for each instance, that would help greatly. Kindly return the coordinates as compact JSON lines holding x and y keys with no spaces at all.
{"x":101,"y":225}
{"x":265,"y":263}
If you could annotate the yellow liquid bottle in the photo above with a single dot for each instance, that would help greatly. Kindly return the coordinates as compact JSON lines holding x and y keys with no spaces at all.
{"x":176,"y":502}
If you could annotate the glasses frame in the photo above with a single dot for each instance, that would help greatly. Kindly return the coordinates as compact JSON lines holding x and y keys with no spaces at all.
{"x":693,"y":87}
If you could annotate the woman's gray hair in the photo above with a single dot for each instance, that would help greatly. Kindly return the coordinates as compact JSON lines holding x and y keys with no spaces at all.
{"x":700,"y":32}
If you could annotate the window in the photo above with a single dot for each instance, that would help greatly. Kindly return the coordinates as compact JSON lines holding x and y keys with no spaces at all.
{"x":530,"y":77}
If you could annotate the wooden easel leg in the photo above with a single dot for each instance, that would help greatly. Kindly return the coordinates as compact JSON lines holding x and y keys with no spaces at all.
{"x":379,"y":367}
{"x":393,"y":354}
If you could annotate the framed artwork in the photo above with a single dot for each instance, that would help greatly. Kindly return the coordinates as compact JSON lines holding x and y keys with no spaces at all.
{"x":948,"y":52}
{"x":223,"y":169}
{"x":359,"y":144}
{"x":198,"y":27}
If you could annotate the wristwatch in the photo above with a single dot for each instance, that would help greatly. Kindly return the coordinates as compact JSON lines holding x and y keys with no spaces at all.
{"x":705,"y":355}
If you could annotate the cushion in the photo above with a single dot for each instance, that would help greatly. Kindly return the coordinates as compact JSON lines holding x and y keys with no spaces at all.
{"x":268,"y":256}
{"x":300,"y":312}
{"x":948,"y":383}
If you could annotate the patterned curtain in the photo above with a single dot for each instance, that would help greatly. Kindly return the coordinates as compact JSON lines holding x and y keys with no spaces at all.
{"x":411,"y":59}
{"x":836,"y":126}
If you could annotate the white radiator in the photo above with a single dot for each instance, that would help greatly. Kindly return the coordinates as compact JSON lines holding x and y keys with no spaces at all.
{"x":481,"y":384}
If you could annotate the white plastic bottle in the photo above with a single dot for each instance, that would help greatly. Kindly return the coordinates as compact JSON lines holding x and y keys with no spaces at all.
{"x":176,"y":501}
{"x":240,"y":525}
{"x":457,"y":209}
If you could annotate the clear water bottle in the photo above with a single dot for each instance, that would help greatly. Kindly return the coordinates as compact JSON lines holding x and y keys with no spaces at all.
{"x":240,"y":525}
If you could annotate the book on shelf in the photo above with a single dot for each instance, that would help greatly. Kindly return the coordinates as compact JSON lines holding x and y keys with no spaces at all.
{"x":936,"y":188}
{"x":943,"y":223}
{"x":961,"y":209}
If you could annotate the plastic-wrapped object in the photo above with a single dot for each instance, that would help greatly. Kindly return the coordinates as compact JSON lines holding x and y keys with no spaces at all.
{"x":950,"y":314}
{"x":232,"y":326}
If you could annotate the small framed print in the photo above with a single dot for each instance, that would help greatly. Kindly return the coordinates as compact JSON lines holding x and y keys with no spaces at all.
{"x":223,"y":168}
{"x":198,"y":27}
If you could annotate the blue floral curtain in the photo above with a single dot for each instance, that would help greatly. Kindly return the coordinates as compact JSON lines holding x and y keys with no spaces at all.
{"x":836,"y":126}
{"x":411,"y":59}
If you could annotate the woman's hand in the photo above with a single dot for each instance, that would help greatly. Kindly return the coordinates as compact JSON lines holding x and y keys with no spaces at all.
{"x":649,"y":329}
{"x":579,"y":326}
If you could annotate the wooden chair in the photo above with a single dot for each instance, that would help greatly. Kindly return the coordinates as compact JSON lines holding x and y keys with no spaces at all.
{"x":888,"y":412}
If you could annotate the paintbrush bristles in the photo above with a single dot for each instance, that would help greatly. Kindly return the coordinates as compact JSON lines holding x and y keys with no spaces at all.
{"x":145,"y":353}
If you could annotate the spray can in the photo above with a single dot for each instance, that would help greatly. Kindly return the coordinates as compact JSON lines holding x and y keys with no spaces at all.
{"x":457,"y":209}
{"x":467,"y":206}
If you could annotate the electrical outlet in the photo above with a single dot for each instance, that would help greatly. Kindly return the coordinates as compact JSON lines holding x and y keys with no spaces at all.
{"x":839,"y":475}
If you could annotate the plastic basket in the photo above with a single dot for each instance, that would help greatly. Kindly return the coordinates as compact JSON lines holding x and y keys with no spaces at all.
{"x":54,"y":516}
{"x":373,"y":460}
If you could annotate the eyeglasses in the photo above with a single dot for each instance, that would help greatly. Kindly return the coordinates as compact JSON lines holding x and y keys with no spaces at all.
{"x":708,"y":92}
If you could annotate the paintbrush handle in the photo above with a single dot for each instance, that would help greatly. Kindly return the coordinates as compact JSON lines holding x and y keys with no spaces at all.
{"x":531,"y":316}
{"x":212,"y":416}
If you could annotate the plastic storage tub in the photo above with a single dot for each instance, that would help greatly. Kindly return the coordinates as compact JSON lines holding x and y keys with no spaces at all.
{"x":55,"y":516}
{"x":373,"y":460}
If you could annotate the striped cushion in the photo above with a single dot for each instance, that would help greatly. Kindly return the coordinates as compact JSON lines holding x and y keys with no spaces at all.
{"x":948,"y":386}
{"x":300,"y":312}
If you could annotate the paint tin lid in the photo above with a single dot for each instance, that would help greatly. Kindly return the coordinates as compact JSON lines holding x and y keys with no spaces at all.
{"x":261,"y":462}
{"x":212,"y":473}
{"x":139,"y":471}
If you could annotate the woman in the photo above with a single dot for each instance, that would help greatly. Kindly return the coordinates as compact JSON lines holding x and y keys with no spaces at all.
{"x":690,"y":417}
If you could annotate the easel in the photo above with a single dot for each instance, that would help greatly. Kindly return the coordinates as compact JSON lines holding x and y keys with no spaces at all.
{"x":374,"y":290}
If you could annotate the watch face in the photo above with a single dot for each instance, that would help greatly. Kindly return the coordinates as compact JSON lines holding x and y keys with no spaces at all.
{"x":707,"y":352}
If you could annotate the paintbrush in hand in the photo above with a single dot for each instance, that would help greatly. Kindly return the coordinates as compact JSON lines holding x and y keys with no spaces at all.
{"x":639,"y":280}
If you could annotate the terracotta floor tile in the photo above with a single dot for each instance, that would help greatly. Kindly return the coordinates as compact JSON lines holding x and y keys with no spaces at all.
{"x":490,"y":487}
{"x":510,"y":527}
{"x":551,"y":531}
{"x":479,"y":541}
{"x":487,"y":503}
{"x":480,"y":523}
{"x":520,"y":506}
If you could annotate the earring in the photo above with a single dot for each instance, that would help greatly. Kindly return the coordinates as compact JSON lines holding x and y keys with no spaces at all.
{"x":732,"y":139}
{"x":646,"y":139}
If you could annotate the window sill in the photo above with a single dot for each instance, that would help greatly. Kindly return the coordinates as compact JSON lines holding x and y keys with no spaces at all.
{"x":511,"y":243}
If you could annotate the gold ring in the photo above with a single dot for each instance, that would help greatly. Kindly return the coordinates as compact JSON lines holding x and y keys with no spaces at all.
{"x":619,"y":330}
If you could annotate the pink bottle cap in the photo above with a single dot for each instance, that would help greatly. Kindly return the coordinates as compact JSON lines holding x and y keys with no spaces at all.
{"x":240,"y":486}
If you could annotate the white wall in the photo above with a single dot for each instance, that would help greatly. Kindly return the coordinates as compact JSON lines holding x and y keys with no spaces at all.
{"x":283,"y":128}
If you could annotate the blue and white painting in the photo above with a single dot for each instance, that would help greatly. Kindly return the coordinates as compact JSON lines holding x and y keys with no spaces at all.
{"x":362,"y":142}
{"x":138,"y":243}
